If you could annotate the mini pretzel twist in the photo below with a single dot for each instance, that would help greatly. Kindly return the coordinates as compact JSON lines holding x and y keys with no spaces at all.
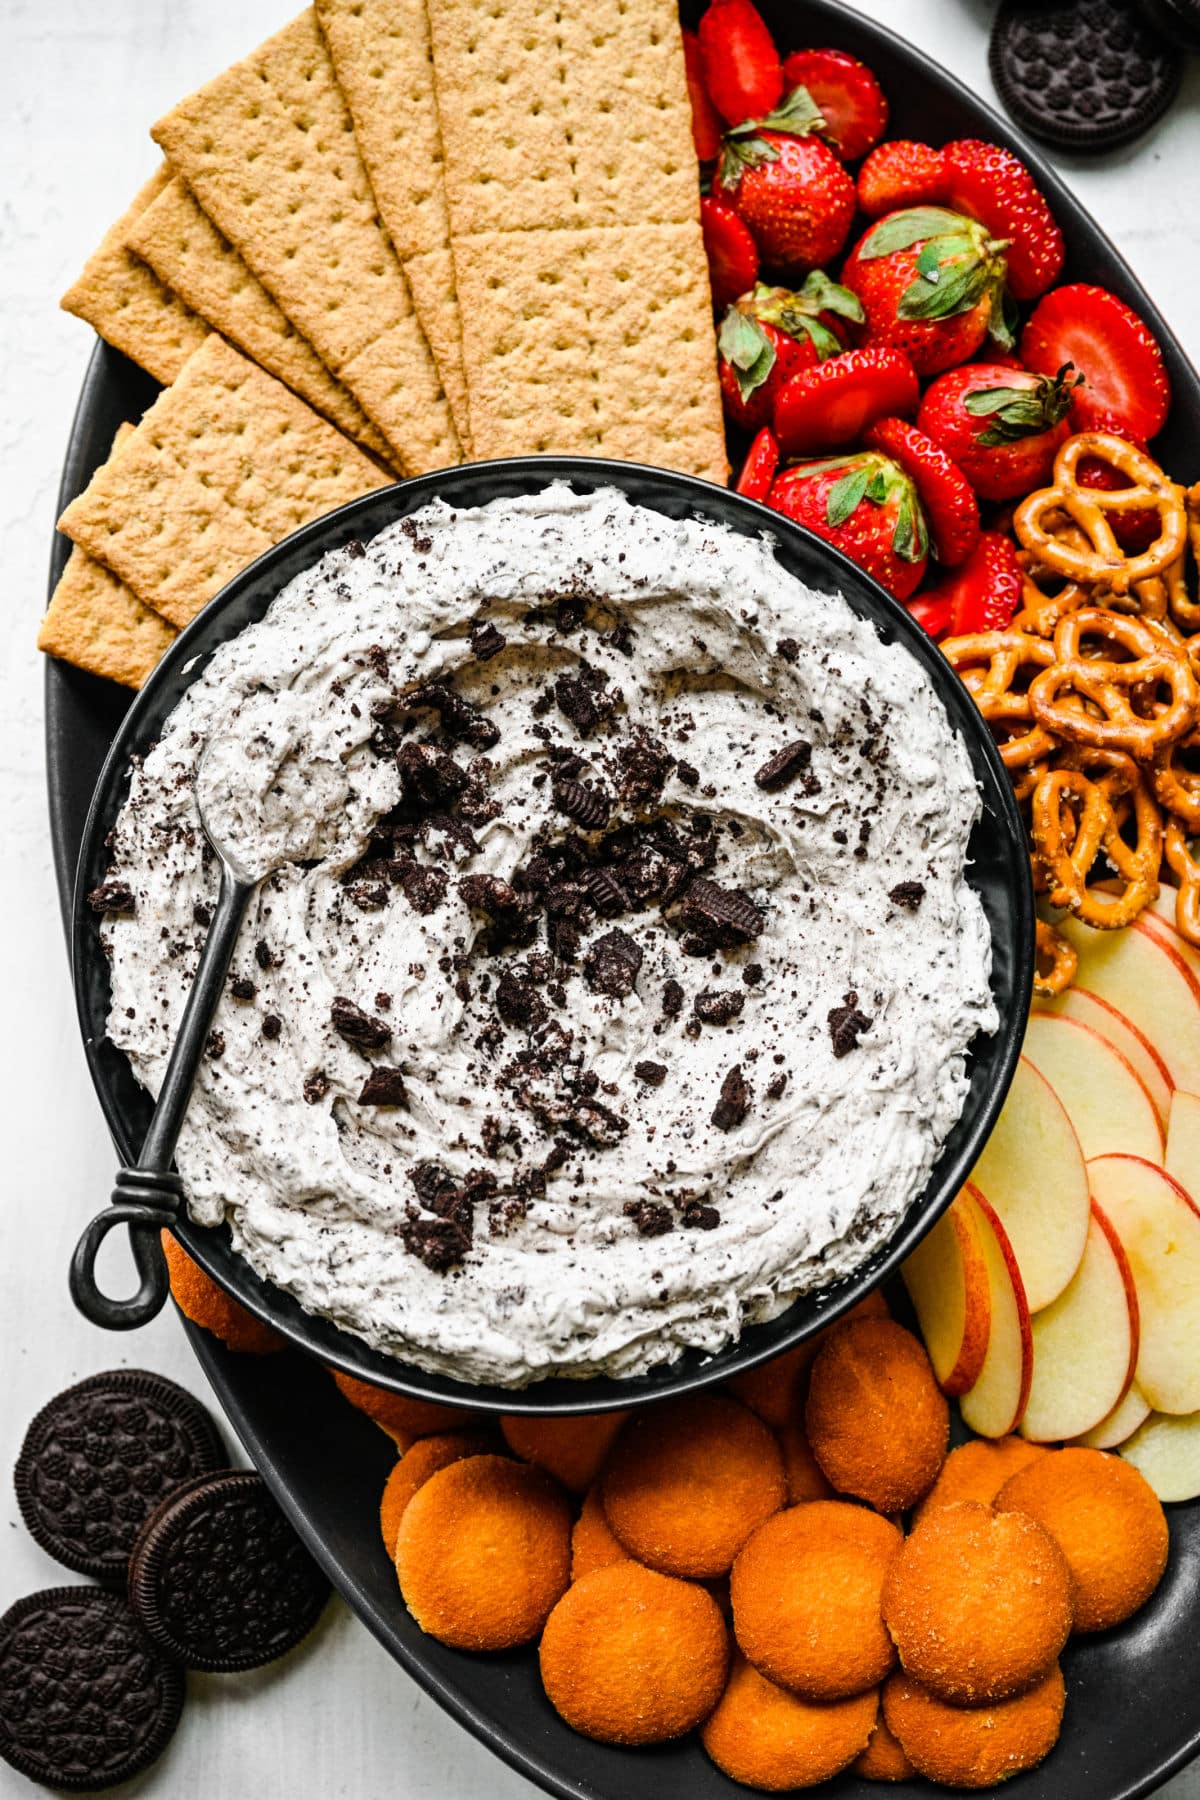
{"x":1075,"y":818}
{"x":1086,"y":668}
{"x":1177,"y":787}
{"x":1056,"y":964}
{"x":1101,"y":562}
{"x":1187,"y":872}
{"x":995,"y":667}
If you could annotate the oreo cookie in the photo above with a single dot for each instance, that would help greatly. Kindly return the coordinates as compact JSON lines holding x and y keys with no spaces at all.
{"x":98,"y":1459}
{"x":1082,"y":74}
{"x":219,"y":1580}
{"x":85,"y":1701}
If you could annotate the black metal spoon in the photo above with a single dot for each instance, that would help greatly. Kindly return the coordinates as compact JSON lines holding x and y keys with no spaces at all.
{"x":150,"y":1196}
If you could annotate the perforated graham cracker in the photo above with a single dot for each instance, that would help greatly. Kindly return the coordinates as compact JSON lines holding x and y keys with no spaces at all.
{"x":124,"y":300}
{"x":383,"y":62}
{"x":563,"y":113}
{"x":179,"y":241}
{"x":268,"y":149}
{"x":226,"y":463}
{"x":97,"y":623}
{"x":593,"y":343}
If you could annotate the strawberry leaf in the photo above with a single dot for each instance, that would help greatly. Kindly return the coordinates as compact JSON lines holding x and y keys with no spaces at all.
{"x":959,"y":287}
{"x":900,"y":231}
{"x":825,"y":342}
{"x":846,"y":495}
{"x":823,"y":295}
{"x":1002,"y":325}
{"x":747,"y":349}
{"x":1017,"y":413}
{"x":910,"y":539}
{"x":741,"y":154}
{"x":797,"y":113}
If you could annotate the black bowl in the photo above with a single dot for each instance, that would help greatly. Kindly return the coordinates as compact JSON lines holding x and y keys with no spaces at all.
{"x":999,"y":871}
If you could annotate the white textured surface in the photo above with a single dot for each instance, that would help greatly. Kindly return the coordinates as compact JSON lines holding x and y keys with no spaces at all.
{"x":79,"y":84}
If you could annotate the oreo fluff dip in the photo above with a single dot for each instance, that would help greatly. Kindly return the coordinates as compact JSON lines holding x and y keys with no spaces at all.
{"x":614,"y":966}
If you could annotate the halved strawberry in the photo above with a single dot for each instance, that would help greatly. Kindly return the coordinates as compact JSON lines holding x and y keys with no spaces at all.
{"x":770,"y":334}
{"x":931,"y":611}
{"x":731,"y":251}
{"x":742,"y":71}
{"x":984,"y":592}
{"x":758,"y":470}
{"x":1134,"y":531}
{"x":832,"y":404}
{"x":899,"y":175}
{"x":706,"y":120}
{"x":846,"y":94}
{"x":1122,"y":365}
{"x":865,"y":505}
{"x":992,"y":185}
{"x":950,"y":506}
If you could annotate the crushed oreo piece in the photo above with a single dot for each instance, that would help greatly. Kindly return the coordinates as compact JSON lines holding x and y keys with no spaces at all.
{"x":368,"y":896}
{"x":358,"y":1027}
{"x":518,"y":1001}
{"x":215,"y":1045}
{"x":431,"y":776}
{"x":753,"y":974}
{"x":717,"y":1006}
{"x":461,"y":721}
{"x":652,"y":1073}
{"x":776,"y":1086}
{"x":787,"y":763}
{"x":789,"y":649}
{"x":316,"y":1087}
{"x":384,"y":1086}
{"x":650,"y":1218}
{"x":672,"y":1000}
{"x":688,"y":773}
{"x":201,"y":915}
{"x":486,"y":641}
{"x":263,"y":956}
{"x":587,"y":806}
{"x":378,"y":659}
{"x":644,"y":766}
{"x":846,"y":1024}
{"x":908,"y":894}
{"x":722,"y":917}
{"x":698,"y":1217}
{"x":604,"y":891}
{"x":242,"y":988}
{"x":585,"y":699}
{"x":612,"y":963}
{"x":734,"y":1102}
{"x":424,"y":884}
{"x":272,"y":1025}
{"x":489,"y":894}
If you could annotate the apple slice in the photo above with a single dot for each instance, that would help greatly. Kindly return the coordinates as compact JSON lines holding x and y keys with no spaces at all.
{"x":1142,"y":974}
{"x":1035,"y":1178}
{"x":1084,"y":1346}
{"x":1120,"y":1424}
{"x":1106,"y":1103}
{"x":993,"y":1406}
{"x":1182,"y":1160}
{"x":1088,"y":1009}
{"x":1167,"y":1451}
{"x":1168,"y":933}
{"x":947,"y":1281}
{"x":1160,"y":1231}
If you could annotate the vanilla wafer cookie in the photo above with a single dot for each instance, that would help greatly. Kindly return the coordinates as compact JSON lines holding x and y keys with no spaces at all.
{"x":268,"y":149}
{"x":99,"y":624}
{"x":124,"y":300}
{"x":185,"y":250}
{"x":382,"y":59}
{"x":226,"y":463}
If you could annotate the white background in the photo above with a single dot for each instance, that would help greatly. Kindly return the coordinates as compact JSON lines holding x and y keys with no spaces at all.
{"x":80,"y":81}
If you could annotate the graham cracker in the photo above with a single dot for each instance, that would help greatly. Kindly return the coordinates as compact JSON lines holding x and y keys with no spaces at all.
{"x":268,"y":149}
{"x":95,"y":622}
{"x":225,"y":463}
{"x":384,"y":66}
{"x":592,"y":343}
{"x":123,"y":300}
{"x":179,"y":241}
{"x":563,"y":113}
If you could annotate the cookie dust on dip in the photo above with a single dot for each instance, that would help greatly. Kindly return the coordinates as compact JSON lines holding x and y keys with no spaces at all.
{"x":619,"y":986}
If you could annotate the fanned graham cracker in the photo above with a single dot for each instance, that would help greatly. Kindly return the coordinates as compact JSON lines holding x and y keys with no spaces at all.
{"x":563,"y":113}
{"x":226,"y":463}
{"x":97,"y":623}
{"x":383,"y":62}
{"x":186,"y":251}
{"x":123,"y":300}
{"x":592,"y":343}
{"x":268,"y":149}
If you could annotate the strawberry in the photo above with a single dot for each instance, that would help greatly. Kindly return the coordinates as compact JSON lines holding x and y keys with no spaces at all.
{"x":846,"y":95}
{"x":832,"y":404}
{"x":1112,"y":349}
{"x":951,"y":509}
{"x":741,"y":66}
{"x":771,"y":334}
{"x":731,"y":251}
{"x":931,"y":612}
{"x":788,"y":186}
{"x":864,"y":505}
{"x":990,"y":184}
{"x":900,"y":174}
{"x":932,"y":284}
{"x":984,"y":592}
{"x":758,"y":470}
{"x":1134,"y":531}
{"x":1001,"y":424}
{"x":706,"y":120}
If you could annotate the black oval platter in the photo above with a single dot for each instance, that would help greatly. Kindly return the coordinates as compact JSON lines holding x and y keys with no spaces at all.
{"x":1133,"y":1714}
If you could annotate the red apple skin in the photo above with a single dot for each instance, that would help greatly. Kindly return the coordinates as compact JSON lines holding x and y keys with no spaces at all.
{"x":1024,"y":1327}
{"x":1135,"y":1317}
{"x":972,"y":1347}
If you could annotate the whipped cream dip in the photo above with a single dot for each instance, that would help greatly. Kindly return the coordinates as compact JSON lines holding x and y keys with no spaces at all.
{"x":614,"y":967}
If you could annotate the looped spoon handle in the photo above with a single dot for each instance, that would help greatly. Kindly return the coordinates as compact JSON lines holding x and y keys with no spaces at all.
{"x":150,"y":1196}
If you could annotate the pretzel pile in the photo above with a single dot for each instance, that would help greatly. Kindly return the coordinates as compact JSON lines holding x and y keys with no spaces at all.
{"x":1093,"y":694}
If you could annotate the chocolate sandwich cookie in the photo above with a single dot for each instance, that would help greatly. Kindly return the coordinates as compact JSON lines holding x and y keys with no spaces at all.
{"x":219,"y":1580}
{"x":1082,"y":74}
{"x":100,"y":1456}
{"x":85,"y":1701}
